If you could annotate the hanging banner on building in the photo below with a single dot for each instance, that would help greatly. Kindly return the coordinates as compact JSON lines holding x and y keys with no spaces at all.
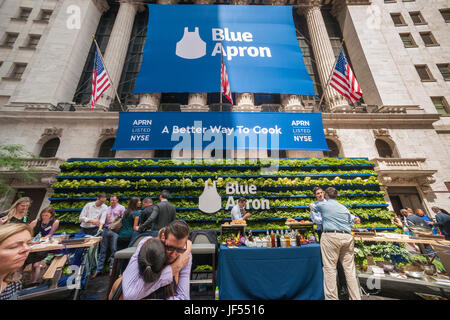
{"x":182,"y":52}
{"x":220,"y":131}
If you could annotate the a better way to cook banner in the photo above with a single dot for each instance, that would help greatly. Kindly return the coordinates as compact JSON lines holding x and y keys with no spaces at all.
{"x":182,"y":52}
{"x":220,"y":130}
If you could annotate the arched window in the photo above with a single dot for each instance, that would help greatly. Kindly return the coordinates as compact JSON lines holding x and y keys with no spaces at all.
{"x":50,"y":148}
{"x":106,"y":150}
{"x":384,"y":149}
{"x":334,"y":149}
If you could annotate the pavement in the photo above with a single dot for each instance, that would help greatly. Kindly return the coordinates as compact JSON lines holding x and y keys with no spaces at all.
{"x":97,"y":290}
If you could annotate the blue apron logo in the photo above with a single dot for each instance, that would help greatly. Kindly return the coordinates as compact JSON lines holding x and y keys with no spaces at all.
{"x":182,"y":52}
{"x":191,"y":46}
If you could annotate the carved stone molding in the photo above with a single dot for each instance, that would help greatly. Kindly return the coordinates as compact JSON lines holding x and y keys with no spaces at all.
{"x":381,"y":133}
{"x":39,"y":107}
{"x":194,"y":108}
{"x":51,"y":132}
{"x":197,"y":99}
{"x":102,"y":5}
{"x":108,"y":132}
{"x":404,"y":172}
{"x":330,"y":133}
{"x":292,"y":102}
{"x":48,"y":180}
{"x":239,"y":2}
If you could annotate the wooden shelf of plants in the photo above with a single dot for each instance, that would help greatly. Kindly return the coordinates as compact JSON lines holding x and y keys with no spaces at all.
{"x":287,"y":190}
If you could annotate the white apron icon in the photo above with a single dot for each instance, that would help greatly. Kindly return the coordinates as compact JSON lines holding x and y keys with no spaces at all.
{"x":191,"y":46}
{"x":210,"y":200}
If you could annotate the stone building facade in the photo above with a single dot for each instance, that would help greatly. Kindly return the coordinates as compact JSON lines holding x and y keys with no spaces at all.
{"x":399,"y":51}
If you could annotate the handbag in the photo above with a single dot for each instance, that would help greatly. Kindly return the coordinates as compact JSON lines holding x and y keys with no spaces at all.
{"x":116,"y":225}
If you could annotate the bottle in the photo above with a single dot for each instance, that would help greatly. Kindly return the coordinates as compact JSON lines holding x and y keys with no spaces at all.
{"x":38,"y":237}
{"x":406,"y":230}
{"x":250,"y":236}
{"x":288,"y":241}
{"x":283,"y":239}
{"x":298,"y":239}
{"x":292,"y":239}
{"x":272,"y":238}
{"x":268,"y":242}
{"x":278,"y":240}
{"x":217,"y":293}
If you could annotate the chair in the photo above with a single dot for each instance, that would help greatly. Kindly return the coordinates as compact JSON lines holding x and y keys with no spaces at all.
{"x":202,"y":245}
{"x":122,"y":255}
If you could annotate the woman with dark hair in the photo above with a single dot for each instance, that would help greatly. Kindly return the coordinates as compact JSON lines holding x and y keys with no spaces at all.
{"x":151,"y":261}
{"x":442,"y":221}
{"x":126,"y":231}
{"x":46,"y":225}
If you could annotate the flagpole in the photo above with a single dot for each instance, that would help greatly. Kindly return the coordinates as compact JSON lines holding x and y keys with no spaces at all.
{"x":221,"y":63}
{"x":331,"y":75}
{"x":104,"y":65}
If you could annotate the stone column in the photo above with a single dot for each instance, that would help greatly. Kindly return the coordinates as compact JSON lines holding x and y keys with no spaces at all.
{"x":151,"y":101}
{"x":60,"y":56}
{"x":244,"y":101}
{"x":323,"y":53}
{"x":148,"y":102}
{"x":116,"y":51}
{"x":197,"y":101}
{"x":292,"y":103}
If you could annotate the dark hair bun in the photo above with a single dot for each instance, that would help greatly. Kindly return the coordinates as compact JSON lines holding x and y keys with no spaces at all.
{"x":151,"y":259}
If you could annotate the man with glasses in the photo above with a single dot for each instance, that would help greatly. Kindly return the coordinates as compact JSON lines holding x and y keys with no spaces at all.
{"x":316,"y":217}
{"x":178,"y":269}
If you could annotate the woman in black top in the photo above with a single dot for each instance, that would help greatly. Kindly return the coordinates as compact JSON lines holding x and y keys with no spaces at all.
{"x":46,"y":225}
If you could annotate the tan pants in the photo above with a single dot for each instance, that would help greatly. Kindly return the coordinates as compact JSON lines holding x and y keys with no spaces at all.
{"x":334,"y":247}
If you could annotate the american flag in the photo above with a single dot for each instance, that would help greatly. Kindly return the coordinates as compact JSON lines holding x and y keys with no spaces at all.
{"x":344,"y":81}
{"x":225,"y":84}
{"x":100,"y":79}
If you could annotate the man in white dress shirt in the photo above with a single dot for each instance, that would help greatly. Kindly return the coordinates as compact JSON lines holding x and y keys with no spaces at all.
{"x":93,"y":215}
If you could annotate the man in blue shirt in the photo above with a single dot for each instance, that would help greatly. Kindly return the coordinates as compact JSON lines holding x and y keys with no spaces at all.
{"x":337,"y":244}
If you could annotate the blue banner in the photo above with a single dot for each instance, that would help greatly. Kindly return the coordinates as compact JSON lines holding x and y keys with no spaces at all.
{"x":182,"y":52}
{"x":220,"y":131}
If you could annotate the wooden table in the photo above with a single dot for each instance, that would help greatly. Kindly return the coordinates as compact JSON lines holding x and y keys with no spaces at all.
{"x":58,"y":246}
{"x":54,"y":271}
{"x":403,"y":240}
{"x":417,"y":284}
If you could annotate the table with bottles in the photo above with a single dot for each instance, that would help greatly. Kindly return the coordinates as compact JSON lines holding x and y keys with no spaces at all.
{"x":271,"y":267}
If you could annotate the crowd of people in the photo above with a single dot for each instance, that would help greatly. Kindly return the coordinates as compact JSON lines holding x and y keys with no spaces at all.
{"x":160,"y":268}
{"x":161,"y":265}
{"x":408,"y":219}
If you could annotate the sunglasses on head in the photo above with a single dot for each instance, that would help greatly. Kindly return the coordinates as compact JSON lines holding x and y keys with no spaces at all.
{"x":171,"y":249}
